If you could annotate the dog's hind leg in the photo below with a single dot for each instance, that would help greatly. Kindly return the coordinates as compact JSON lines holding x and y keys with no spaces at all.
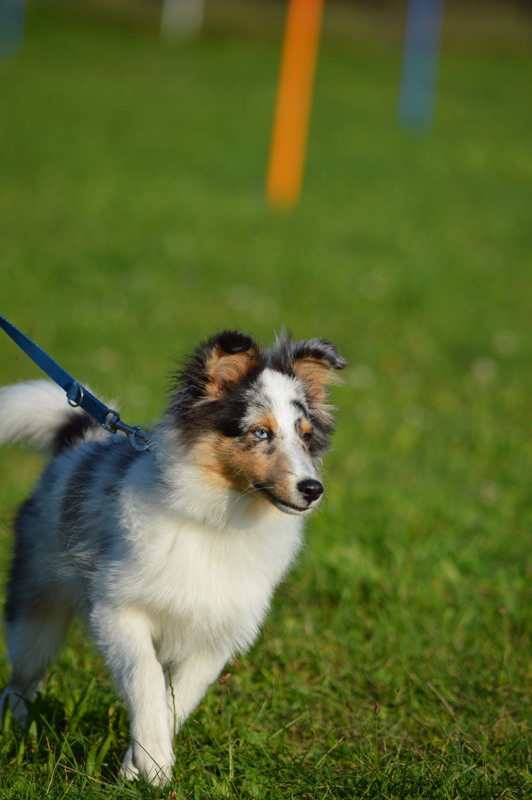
{"x":34,"y":636}
{"x":37,"y":612}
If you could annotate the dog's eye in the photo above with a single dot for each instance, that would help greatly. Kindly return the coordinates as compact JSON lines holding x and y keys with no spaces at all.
{"x":307,"y":437}
{"x":262,"y":433}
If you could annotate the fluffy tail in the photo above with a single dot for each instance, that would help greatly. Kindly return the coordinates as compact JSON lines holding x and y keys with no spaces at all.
{"x":37,"y":412}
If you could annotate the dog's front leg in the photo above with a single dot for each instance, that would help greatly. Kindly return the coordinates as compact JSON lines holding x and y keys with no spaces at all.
{"x":124,"y":637}
{"x":187,"y":682}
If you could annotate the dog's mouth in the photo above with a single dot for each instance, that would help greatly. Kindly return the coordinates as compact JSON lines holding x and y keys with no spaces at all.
{"x":282,"y":505}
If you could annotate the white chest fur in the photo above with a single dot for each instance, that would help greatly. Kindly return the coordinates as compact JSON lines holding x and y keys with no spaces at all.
{"x":201,"y":586}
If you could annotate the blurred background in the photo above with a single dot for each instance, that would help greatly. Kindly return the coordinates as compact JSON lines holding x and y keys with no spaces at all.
{"x":134,"y":222}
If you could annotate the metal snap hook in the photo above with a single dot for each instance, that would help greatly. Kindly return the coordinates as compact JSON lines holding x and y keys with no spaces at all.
{"x":137,"y":441}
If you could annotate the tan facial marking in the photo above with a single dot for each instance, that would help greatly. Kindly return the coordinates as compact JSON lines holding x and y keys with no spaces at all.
{"x":266,"y":421}
{"x":233,"y":464}
{"x":305,"y":427}
{"x":210,"y":458}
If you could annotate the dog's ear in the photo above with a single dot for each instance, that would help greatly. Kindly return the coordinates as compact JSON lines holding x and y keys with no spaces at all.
{"x":314,"y":362}
{"x":232,"y":356}
{"x":216,"y":367}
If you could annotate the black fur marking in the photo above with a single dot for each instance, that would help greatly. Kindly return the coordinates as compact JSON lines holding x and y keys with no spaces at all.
{"x":322,"y":431}
{"x":73,"y":431}
{"x":301,"y":407}
{"x":234,"y":342}
{"x":17,"y":591}
{"x":223,"y":416}
{"x":78,"y":489}
{"x":123,"y":458}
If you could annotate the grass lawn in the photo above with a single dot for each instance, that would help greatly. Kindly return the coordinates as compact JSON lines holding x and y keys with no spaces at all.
{"x":396,"y":662}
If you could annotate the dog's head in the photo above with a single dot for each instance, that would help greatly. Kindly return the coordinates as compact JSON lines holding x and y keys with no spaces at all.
{"x":257,"y":421}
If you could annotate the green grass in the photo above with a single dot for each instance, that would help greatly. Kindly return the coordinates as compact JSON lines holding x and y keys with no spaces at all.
{"x":132,"y":223}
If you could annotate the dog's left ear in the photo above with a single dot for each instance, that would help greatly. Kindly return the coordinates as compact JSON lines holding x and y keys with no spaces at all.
{"x":314,"y":362}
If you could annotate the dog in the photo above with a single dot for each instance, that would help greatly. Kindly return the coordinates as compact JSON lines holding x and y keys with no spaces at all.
{"x":169,"y":556}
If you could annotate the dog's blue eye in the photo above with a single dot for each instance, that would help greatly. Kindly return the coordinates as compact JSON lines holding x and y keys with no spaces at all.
{"x":262,"y":433}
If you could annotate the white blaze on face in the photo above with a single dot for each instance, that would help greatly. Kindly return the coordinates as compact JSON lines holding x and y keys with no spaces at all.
{"x":284,"y":398}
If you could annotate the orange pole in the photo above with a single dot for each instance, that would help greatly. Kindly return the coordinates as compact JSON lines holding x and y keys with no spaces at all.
{"x":294,"y":99}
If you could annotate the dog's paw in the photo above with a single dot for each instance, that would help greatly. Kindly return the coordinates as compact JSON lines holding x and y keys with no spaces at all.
{"x":128,"y":770}
{"x":138,"y":763}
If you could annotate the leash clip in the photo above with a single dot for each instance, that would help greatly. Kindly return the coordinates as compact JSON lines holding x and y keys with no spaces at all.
{"x":136,"y":439}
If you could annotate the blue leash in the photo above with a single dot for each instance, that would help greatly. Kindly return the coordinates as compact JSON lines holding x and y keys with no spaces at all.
{"x":76,"y":394}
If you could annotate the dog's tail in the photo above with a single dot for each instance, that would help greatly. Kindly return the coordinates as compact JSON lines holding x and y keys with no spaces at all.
{"x":37,"y":412}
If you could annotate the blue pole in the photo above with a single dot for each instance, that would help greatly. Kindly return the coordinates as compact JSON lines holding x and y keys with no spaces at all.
{"x":12,"y":24}
{"x":420,"y":63}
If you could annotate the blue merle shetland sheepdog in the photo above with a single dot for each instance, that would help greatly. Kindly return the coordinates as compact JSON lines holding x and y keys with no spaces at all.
{"x":170,"y":556}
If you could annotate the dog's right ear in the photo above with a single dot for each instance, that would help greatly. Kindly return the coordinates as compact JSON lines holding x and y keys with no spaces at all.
{"x":217,"y":366}
{"x":231,"y":356}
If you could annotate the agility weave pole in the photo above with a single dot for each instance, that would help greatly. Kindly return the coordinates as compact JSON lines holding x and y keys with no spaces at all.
{"x":294,"y":100}
{"x":12,"y":26}
{"x":422,"y":43}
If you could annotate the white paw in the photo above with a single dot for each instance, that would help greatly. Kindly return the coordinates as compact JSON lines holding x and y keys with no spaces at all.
{"x":128,"y":770}
{"x":155,"y":768}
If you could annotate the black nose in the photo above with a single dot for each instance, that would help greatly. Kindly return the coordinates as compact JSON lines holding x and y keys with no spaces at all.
{"x":310,"y":489}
